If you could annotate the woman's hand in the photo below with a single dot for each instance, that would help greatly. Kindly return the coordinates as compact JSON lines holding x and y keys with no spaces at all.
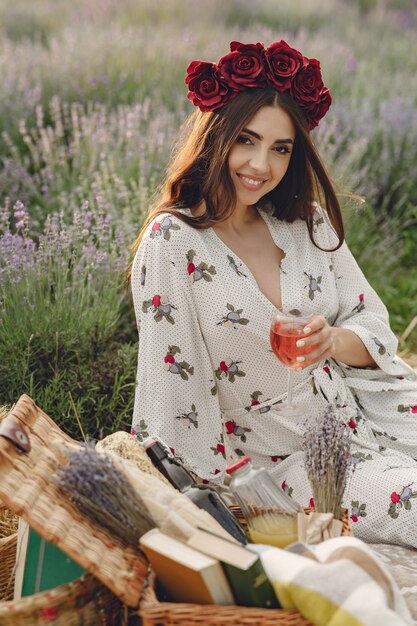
{"x":323,"y":341}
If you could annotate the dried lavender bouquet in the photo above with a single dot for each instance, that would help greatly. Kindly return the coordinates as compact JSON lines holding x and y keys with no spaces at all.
{"x":326,"y":445}
{"x":103,"y":494}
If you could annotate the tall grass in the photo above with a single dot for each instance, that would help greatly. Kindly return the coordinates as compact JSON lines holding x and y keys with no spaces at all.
{"x":93,"y":95}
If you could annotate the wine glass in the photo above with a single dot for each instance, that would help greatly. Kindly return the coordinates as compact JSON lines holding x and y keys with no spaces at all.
{"x":285,"y":331}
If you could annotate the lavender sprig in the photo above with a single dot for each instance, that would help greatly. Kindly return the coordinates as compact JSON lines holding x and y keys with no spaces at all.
{"x":103,"y":494}
{"x":326,"y":444}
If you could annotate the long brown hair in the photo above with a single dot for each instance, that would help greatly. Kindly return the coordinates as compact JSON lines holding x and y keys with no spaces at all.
{"x":199,"y":169}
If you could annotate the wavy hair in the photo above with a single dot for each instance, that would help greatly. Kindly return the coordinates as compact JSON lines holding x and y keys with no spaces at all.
{"x":199,"y":171}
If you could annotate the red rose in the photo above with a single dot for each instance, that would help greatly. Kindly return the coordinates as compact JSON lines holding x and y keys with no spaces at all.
{"x":156,"y":226}
{"x":352,"y":424}
{"x":283,"y":485}
{"x":314,"y":114}
{"x":223,"y":366}
{"x":190,"y":268}
{"x":156,"y":300}
{"x":312,"y":504}
{"x":49,"y":614}
{"x":220,"y":448}
{"x":172,"y":450}
{"x":243,"y":67}
{"x":217,"y":471}
{"x":307,"y":85}
{"x":132,"y":431}
{"x":207,"y":89}
{"x":414,"y":409}
{"x":169,"y":359}
{"x":361,"y":297}
{"x":282,"y":63}
{"x":255,"y":403}
{"x":395,"y":497}
{"x":230,"y":426}
{"x":274,"y":459}
{"x":354,"y":518}
{"x":326,"y":369}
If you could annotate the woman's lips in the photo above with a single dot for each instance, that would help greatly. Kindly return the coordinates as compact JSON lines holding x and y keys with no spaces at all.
{"x":253,"y":184}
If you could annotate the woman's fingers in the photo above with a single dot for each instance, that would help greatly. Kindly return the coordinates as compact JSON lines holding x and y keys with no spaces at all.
{"x":317,"y":345}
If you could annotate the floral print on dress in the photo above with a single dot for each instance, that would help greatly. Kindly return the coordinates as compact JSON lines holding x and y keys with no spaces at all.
{"x":359,"y":457}
{"x":143,"y":276}
{"x":237,"y":431}
{"x":286,"y":488}
{"x":381,"y":348}
{"x":232,"y":319}
{"x":407,"y":408}
{"x":313,"y":285}
{"x":162,"y":308}
{"x":140,"y":430}
{"x":316,"y":216}
{"x":175,"y":367}
{"x":229,"y":369}
{"x":220,"y":448}
{"x":255,"y":402}
{"x":190,"y":417}
{"x":200,"y":271}
{"x":361,"y":304}
{"x":163,"y":228}
{"x":357,"y":510}
{"x":401,"y":498}
{"x":233,"y":265}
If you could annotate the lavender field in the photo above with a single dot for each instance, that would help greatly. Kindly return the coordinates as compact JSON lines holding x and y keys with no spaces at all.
{"x":92,"y":95}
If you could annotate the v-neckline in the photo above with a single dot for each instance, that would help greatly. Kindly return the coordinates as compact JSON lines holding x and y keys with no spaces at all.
{"x":282,"y":242}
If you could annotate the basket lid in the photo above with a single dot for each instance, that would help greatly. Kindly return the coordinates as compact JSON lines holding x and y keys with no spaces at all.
{"x":27,"y":488}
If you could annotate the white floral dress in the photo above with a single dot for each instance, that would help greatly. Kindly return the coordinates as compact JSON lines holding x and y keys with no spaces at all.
{"x":208,"y":382}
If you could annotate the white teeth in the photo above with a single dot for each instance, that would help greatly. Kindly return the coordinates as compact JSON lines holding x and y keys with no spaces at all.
{"x":250,"y":181}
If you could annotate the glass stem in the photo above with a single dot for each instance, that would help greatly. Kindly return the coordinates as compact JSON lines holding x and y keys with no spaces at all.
{"x":290,"y":385}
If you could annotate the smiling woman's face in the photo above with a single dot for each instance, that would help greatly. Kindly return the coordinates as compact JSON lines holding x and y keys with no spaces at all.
{"x":260,"y":157}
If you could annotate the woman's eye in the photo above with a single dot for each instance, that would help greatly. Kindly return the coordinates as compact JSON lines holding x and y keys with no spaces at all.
{"x":244,"y":140}
{"x":282,"y":150}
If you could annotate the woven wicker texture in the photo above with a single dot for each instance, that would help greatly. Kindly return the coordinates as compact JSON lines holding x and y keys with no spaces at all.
{"x":84,"y":602}
{"x":156,"y":613}
{"x":27,"y":488}
{"x":7,"y":566}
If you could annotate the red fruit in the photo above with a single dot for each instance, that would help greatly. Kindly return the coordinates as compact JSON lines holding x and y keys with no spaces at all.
{"x":255,"y":402}
{"x":156,"y":226}
{"x":223,"y":366}
{"x":190,"y":268}
{"x":274,"y":459}
{"x":352,"y":424}
{"x":361,"y":298}
{"x":354,"y":518}
{"x":156,"y":300}
{"x":414,"y":409}
{"x":220,"y":448}
{"x":230,"y":426}
{"x":395,"y":497}
{"x":169,"y":359}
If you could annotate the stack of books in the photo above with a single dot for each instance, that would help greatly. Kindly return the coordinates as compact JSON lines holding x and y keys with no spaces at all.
{"x":209,"y":570}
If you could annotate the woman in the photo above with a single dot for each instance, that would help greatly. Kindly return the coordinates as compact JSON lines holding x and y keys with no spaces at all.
{"x":237,"y":233}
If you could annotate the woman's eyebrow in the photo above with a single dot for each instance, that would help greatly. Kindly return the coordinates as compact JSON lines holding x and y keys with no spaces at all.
{"x":257,"y":136}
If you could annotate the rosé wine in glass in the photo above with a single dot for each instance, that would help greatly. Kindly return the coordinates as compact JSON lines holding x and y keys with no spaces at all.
{"x":285,"y":331}
{"x":283,"y":337}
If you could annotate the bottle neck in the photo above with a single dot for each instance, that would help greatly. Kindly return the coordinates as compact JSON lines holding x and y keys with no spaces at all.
{"x":169,"y":467}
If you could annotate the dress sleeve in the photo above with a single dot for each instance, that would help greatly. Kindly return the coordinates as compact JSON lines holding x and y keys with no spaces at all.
{"x":174,"y":397}
{"x":362,"y":311}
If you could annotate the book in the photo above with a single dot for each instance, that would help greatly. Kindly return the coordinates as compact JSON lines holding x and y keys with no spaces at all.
{"x":40,"y":565}
{"x":243,"y":568}
{"x":187,"y":575}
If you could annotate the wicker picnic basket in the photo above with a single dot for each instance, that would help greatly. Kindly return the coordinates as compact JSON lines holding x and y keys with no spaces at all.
{"x":8,"y":542}
{"x":154,"y":611}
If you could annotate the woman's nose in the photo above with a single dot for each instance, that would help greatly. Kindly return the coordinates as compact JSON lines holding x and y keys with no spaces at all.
{"x":259,"y":161}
